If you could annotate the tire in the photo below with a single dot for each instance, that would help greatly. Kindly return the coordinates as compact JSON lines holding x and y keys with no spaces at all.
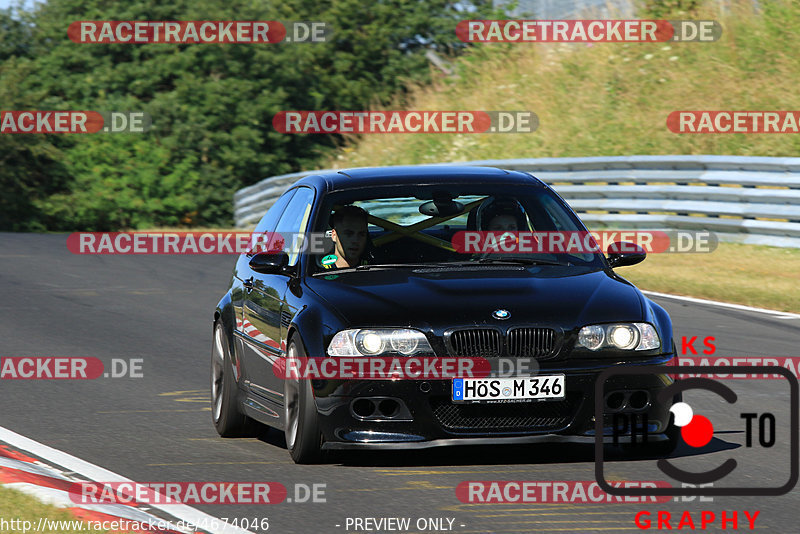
{"x":303,"y":437}
{"x":225,"y":414}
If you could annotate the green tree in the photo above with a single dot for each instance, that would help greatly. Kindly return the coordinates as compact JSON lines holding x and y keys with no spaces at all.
{"x":665,"y":8}
{"x":212,"y":104}
{"x":30,"y":165}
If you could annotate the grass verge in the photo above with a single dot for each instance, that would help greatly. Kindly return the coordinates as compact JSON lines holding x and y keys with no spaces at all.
{"x":16,"y":508}
{"x":609,"y":99}
{"x":765,"y":277}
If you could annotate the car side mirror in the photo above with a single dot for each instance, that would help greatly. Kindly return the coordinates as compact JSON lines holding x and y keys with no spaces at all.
{"x":270,"y":263}
{"x":622,"y":253}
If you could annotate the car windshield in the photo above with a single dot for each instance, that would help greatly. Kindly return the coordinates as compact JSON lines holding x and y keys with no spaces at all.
{"x":444,"y":226}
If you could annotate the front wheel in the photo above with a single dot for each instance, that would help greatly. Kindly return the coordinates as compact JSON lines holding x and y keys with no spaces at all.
{"x":225,"y":414}
{"x":303,"y":438}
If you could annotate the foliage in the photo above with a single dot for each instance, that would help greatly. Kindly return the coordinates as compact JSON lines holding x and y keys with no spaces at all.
{"x":211,"y":104}
{"x":611,"y":99}
{"x":30,"y":166}
{"x":664,"y":8}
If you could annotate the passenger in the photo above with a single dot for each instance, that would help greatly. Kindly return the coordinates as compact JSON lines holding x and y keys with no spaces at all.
{"x":503,"y":223}
{"x":501,"y":215}
{"x":350,"y":236}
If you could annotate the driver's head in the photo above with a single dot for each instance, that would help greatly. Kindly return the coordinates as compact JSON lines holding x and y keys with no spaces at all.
{"x":349,"y":235}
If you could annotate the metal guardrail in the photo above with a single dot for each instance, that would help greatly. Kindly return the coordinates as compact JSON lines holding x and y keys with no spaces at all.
{"x":754,"y":200}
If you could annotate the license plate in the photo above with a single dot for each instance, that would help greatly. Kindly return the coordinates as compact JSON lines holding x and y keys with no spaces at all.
{"x":508,"y":389}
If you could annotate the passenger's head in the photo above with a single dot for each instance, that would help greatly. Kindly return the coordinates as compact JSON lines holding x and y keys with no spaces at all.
{"x":501,"y":215}
{"x":503,"y":223}
{"x":349,"y":234}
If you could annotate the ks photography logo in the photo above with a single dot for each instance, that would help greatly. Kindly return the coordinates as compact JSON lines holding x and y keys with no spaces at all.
{"x":695,"y":429}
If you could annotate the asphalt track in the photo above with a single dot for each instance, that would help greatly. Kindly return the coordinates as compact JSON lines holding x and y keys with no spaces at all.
{"x":158,"y":428}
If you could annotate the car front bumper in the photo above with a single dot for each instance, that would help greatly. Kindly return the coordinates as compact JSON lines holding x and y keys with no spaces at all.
{"x":427,"y":417}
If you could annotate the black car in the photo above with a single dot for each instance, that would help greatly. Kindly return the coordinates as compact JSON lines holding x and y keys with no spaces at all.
{"x":386,"y":279}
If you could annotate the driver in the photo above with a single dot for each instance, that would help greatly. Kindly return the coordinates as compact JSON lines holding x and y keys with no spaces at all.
{"x":349,"y":236}
{"x":504,"y":215}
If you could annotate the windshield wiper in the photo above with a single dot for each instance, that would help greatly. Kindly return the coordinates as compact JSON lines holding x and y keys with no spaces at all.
{"x":444,"y":265}
{"x":494,"y":261}
{"x":375,"y":266}
{"x":521,"y":261}
{"x":391,"y":266}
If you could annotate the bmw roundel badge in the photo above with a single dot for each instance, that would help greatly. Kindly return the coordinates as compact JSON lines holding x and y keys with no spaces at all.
{"x":501,"y":314}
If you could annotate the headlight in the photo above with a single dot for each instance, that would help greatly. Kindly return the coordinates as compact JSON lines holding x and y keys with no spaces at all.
{"x":369,"y":342}
{"x":378,"y":341}
{"x":625,"y":336}
{"x":404,"y":343}
{"x":592,"y":337}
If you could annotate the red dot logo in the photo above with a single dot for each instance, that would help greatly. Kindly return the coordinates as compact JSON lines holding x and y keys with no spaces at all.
{"x":696,"y":430}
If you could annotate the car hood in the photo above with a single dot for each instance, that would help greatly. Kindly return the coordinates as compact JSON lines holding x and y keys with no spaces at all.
{"x":565,"y":296}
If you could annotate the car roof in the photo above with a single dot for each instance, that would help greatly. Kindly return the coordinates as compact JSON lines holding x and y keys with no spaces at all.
{"x":415,"y":175}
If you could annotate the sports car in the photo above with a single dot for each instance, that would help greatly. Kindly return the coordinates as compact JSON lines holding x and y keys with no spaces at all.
{"x":382,"y":271}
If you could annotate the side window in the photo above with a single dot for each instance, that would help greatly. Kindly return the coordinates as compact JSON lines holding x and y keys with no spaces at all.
{"x":270,"y":219}
{"x":556,"y":215}
{"x":295,"y":220}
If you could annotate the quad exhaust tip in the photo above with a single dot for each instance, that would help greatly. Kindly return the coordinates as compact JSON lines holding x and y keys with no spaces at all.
{"x":375,"y":408}
{"x":627,"y":400}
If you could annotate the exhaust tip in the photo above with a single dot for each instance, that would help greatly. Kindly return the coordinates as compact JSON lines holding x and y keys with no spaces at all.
{"x":363,"y":408}
{"x":615,"y":400}
{"x":639,"y":400}
{"x":388,"y":407}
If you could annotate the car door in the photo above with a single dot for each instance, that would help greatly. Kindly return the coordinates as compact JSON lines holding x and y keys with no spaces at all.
{"x":264,"y":304}
{"x":242,"y":273}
